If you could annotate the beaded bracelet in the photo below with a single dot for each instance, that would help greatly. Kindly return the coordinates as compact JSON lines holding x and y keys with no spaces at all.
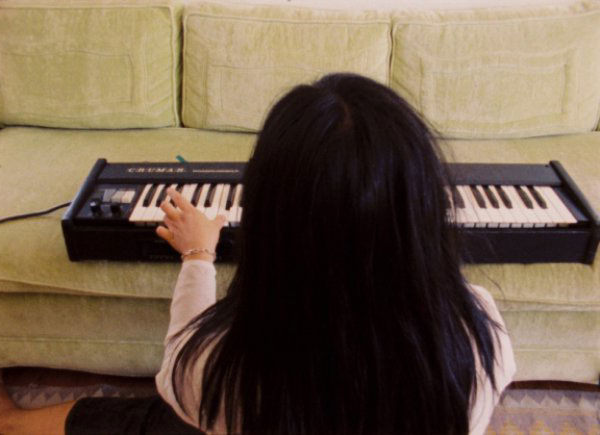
{"x":198,"y":251}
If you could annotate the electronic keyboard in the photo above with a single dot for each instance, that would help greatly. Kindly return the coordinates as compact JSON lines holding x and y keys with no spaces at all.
{"x":505,"y":213}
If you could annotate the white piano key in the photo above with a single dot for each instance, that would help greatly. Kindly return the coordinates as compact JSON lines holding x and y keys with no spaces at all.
{"x":553,"y":214}
{"x":188,"y":191}
{"x":505,"y":212}
{"x":493,"y":213}
{"x":233,"y":211}
{"x":152,"y":209}
{"x":528,"y":216}
{"x":469,"y":215}
{"x":138,"y":209}
{"x":211,"y":211}
{"x":222,"y":208}
{"x":483,"y":219}
{"x":542,"y":213}
{"x":203,"y":195}
{"x":557,"y":203}
{"x":540,"y":219}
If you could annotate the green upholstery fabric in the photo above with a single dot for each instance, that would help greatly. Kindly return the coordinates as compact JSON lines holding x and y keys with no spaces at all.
{"x":111,"y":317}
{"x":124,"y":336}
{"x":89,"y":64}
{"x":500,"y":73}
{"x":105,"y":335}
{"x":34,"y":256}
{"x":37,"y":259}
{"x":239,"y":59}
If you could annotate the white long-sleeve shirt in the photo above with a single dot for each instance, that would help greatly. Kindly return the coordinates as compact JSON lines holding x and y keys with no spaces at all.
{"x":195,"y":291}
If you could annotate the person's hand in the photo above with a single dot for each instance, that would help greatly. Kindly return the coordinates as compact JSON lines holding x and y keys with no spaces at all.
{"x":187,"y":228}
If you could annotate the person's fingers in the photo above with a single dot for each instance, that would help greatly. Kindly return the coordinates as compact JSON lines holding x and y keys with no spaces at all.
{"x":170,"y":211}
{"x":179,"y":200}
{"x":164,"y":233}
{"x":170,"y":223}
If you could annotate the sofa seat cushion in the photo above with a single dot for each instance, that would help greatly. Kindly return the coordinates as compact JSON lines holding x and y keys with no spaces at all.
{"x":552,"y":285}
{"x":89,"y":64}
{"x":34,"y":257}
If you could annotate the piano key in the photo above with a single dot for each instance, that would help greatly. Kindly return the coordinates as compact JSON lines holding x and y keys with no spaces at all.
{"x":467,"y":212}
{"x":503,"y":196}
{"x":138,"y":209}
{"x":153,"y":207}
{"x":149,"y":195}
{"x":235,"y":205}
{"x":196,"y":194}
{"x":558,"y":205}
{"x":188,"y":191}
{"x":213,"y":204}
{"x":508,"y":218}
{"x":553,"y":214}
{"x":524,"y":197}
{"x":525,"y":217}
{"x":222,"y":206}
{"x":541,"y":212}
{"x":202,"y":197}
{"x":491,"y":197}
{"x":482,"y":217}
{"x":537,"y":197}
{"x":541,"y":217}
{"x":162,"y":196}
{"x":477,"y":195}
{"x":493,"y":213}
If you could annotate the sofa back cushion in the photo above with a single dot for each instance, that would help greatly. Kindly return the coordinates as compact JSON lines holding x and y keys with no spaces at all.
{"x":239,"y":59}
{"x":88,"y":64}
{"x":500,"y":73}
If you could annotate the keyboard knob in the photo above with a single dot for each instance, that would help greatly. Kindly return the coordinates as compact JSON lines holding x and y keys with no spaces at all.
{"x":115,"y":208}
{"x":95,"y":207}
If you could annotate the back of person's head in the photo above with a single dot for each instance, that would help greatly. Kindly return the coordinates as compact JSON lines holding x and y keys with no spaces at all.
{"x":348,"y":312}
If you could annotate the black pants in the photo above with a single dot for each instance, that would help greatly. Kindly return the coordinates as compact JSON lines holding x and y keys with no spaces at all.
{"x":112,"y":416}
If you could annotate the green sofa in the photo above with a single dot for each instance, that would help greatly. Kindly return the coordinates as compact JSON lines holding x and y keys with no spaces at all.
{"x":148,"y":80}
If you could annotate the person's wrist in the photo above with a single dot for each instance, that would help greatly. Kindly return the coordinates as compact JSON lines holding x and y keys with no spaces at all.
{"x":201,"y":256}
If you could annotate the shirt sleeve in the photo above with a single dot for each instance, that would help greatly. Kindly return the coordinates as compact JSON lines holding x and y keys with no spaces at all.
{"x":195,"y":291}
{"x":486,"y":398}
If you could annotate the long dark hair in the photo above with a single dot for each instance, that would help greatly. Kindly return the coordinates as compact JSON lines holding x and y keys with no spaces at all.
{"x":348,"y":313}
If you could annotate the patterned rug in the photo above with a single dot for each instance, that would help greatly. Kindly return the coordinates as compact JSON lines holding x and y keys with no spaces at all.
{"x":520,"y":411}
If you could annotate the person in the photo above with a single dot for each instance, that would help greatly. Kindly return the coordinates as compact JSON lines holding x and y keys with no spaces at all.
{"x":348,"y":312}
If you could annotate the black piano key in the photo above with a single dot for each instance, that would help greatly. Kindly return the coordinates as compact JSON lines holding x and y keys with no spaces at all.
{"x":538,"y":198}
{"x":478,"y":197}
{"x":196,"y":194}
{"x":179,"y":189}
{"x":457,"y":198}
{"x":491,"y":196}
{"x":229,"y":202}
{"x":161,"y":196}
{"x":504,"y":197}
{"x":149,"y":195}
{"x":524,"y":197}
{"x":211,"y":196}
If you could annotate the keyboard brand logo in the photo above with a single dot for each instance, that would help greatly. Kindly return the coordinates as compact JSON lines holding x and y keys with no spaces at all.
{"x":155,"y":170}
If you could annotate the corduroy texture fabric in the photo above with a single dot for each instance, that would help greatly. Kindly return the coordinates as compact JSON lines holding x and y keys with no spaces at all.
{"x":500,"y":73}
{"x":239,"y":59}
{"x":89,"y":64}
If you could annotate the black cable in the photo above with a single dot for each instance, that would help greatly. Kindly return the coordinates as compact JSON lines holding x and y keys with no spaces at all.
{"x":38,"y":213}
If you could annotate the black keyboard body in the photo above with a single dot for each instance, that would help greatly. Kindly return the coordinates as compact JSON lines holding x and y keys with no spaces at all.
{"x":94,"y":228}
